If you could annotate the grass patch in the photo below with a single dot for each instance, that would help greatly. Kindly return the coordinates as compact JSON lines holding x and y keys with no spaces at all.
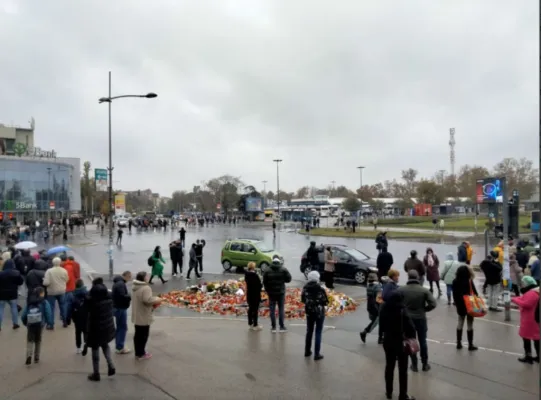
{"x":363,"y":234}
{"x":466,"y":224}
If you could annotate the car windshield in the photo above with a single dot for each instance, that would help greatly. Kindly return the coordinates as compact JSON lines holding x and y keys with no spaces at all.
{"x":263,"y":247}
{"x":359,"y":255}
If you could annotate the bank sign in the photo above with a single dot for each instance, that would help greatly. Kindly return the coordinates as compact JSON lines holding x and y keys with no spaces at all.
{"x":12,"y":205}
{"x":21,"y":149}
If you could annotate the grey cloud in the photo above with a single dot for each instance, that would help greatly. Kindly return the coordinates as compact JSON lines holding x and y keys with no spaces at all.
{"x":325,"y":87}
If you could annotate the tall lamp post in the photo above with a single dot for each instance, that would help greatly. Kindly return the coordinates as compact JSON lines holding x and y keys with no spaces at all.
{"x":49,"y":198}
{"x":360,"y":168}
{"x":265,"y":190}
{"x":109,"y":99}
{"x":278,"y":161}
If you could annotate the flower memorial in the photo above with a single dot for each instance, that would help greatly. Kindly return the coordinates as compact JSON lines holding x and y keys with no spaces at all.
{"x":229,"y":298}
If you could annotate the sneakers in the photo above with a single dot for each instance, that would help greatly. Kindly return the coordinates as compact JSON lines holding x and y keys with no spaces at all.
{"x":94,"y":377}
{"x":426,"y":367}
{"x":111,"y":371}
{"x":123,"y":351}
{"x":147,"y":356}
{"x":174,"y":275}
{"x":256,"y":328}
{"x":283,"y":329}
{"x":28,"y":361}
{"x":363,"y":336}
{"x":79,"y":351}
{"x":273,"y":330}
{"x":16,"y":326}
{"x":318,"y":357}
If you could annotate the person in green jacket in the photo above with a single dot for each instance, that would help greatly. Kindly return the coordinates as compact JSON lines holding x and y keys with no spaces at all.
{"x":157,"y":265}
{"x":448,"y":275}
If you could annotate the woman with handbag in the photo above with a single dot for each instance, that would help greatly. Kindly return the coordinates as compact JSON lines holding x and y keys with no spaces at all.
{"x":398,"y":342}
{"x":463,"y":286}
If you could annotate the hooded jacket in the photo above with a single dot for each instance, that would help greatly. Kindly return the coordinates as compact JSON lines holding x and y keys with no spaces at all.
{"x":121,"y":297}
{"x":313,"y":291}
{"x":78,"y":307}
{"x":527,"y":303}
{"x":312,"y":255}
{"x":44,"y":306}
{"x":10,"y":280}
{"x":275,"y":279}
{"x":522,"y":258}
{"x":450,"y":266}
{"x":101,"y":323}
{"x":492,"y":270}
{"x":462,"y":253}
{"x":28,"y":261}
{"x":69,"y":266}
{"x":34,"y":278}
{"x":395,"y":322}
{"x":384,"y":262}
{"x":142,"y":303}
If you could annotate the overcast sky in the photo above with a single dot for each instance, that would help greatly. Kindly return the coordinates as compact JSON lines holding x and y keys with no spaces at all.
{"x":324,"y":85}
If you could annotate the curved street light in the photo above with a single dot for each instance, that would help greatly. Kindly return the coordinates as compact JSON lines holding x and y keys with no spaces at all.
{"x":109,"y":99}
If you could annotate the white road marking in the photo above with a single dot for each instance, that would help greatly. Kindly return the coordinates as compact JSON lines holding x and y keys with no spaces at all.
{"x":480,"y":348}
{"x":498,"y":322}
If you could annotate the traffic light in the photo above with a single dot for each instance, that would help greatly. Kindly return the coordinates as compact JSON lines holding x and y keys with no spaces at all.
{"x":10,"y":216}
{"x":1,"y":216}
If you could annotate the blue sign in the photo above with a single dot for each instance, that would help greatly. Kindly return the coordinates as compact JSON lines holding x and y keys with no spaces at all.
{"x":253,"y":204}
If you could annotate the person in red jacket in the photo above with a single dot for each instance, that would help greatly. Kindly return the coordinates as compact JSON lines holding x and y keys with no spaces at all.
{"x":76,"y":267}
{"x":70,"y":288}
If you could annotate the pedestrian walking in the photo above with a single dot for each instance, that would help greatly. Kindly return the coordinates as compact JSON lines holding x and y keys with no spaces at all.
{"x":384,"y":262}
{"x":175,"y":252}
{"x":374,"y":291}
{"x":79,"y":315}
{"x":414,"y":263}
{"x":143,"y":304}
{"x":119,"y":235}
{"x":182,"y":233}
{"x":10,"y":280}
{"x":274,"y":281}
{"x":253,"y":296}
{"x":55,"y":280}
{"x":192,"y":263}
{"x":528,"y":305}
{"x":450,"y":267}
{"x":431,"y":263}
{"x":328,"y":272}
{"x":315,"y":300}
{"x":397,"y":326}
{"x":36,"y":314}
{"x":157,"y":265}
{"x":100,"y":328}
{"x":121,"y":303}
{"x":463,"y":286}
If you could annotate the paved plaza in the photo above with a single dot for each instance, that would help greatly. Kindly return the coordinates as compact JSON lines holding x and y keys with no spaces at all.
{"x":216,"y":357}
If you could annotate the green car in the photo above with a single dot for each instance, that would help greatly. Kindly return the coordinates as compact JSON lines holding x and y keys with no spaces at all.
{"x":239,"y":252}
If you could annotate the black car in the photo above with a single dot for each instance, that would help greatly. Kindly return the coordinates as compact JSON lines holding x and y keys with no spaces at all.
{"x":351,"y":263}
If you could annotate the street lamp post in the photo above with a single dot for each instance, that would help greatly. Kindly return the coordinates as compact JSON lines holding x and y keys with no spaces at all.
{"x":109,"y":99}
{"x":278,"y":161}
{"x":265,"y":191}
{"x":361,"y":187}
{"x":49,"y":197}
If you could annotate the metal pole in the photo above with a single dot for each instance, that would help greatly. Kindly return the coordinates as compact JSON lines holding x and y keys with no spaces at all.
{"x":506,"y":272}
{"x":49,"y":198}
{"x":111,"y":210}
{"x":278,"y":185}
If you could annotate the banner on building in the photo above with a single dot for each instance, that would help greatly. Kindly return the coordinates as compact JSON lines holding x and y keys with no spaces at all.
{"x":120,"y":204}
{"x":100,"y":177}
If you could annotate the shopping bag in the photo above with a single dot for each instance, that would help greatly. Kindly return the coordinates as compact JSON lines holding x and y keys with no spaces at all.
{"x":475,"y":305}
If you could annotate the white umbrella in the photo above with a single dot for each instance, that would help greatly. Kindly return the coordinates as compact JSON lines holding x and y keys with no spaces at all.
{"x":25,"y":245}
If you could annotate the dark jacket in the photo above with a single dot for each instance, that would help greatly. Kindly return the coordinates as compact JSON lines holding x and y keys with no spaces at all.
{"x":315,"y":294}
{"x":199,"y":248}
{"x":522,"y":258}
{"x":388,"y":290}
{"x":20,"y":264}
{"x":120,"y":295}
{"x":492,"y":270}
{"x":101,"y":324}
{"x":175,"y":251}
{"x":417,"y":299}
{"x":28,"y":261}
{"x":395,"y":322}
{"x":384,"y":262}
{"x":461,"y":289}
{"x":182,"y":233}
{"x":416,"y":264}
{"x":381,"y":242}
{"x":253,"y":286}
{"x":462,"y":253}
{"x":47,"y":316}
{"x":275,"y":279}
{"x":10,"y":280}
{"x":372,"y":291}
{"x":34,"y":278}
{"x":312,"y":256}
{"x":78,"y":307}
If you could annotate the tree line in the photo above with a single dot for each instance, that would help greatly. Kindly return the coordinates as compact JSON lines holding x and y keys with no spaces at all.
{"x":228,"y":192}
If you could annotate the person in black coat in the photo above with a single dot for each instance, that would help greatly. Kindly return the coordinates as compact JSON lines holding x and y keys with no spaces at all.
{"x":175,"y":252}
{"x":34,"y":277}
{"x":396,"y":325}
{"x":100,"y":328}
{"x":384,"y":262}
{"x":312,"y":255}
{"x":253,"y":295}
{"x":182,"y":233}
{"x":10,"y":280}
{"x":463,"y":286}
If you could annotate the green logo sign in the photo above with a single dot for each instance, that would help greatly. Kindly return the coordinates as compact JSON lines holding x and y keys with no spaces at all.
{"x":19,"y":149}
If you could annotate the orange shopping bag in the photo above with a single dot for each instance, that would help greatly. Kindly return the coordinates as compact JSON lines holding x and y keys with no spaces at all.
{"x":475,"y":305}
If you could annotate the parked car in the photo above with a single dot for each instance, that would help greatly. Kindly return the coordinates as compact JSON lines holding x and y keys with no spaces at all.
{"x":122,"y":222}
{"x":239,"y":252}
{"x":351,"y":263}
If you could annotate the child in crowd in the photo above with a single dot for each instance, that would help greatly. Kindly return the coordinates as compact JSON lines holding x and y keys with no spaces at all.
{"x":35,"y":316}
{"x":79,"y":314}
{"x":373,"y":300}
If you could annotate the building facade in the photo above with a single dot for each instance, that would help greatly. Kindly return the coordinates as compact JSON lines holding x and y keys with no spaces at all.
{"x":36,"y":188}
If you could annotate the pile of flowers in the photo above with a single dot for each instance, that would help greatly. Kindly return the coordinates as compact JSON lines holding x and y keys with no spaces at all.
{"x":229,"y":298}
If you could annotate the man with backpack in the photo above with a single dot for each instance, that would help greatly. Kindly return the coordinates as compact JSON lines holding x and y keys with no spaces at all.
{"x":35,"y":316}
{"x":315,"y":300}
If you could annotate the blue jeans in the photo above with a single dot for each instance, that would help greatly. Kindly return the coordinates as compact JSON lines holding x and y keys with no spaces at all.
{"x":68,"y":299}
{"x":60,"y":298}
{"x":421,"y":327}
{"x":121,"y":322}
{"x":312,"y":322}
{"x":281,"y":312}
{"x":449,"y":291}
{"x":14,"y":311}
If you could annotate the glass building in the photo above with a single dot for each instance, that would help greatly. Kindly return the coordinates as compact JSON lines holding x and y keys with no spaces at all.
{"x":38,"y":188}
